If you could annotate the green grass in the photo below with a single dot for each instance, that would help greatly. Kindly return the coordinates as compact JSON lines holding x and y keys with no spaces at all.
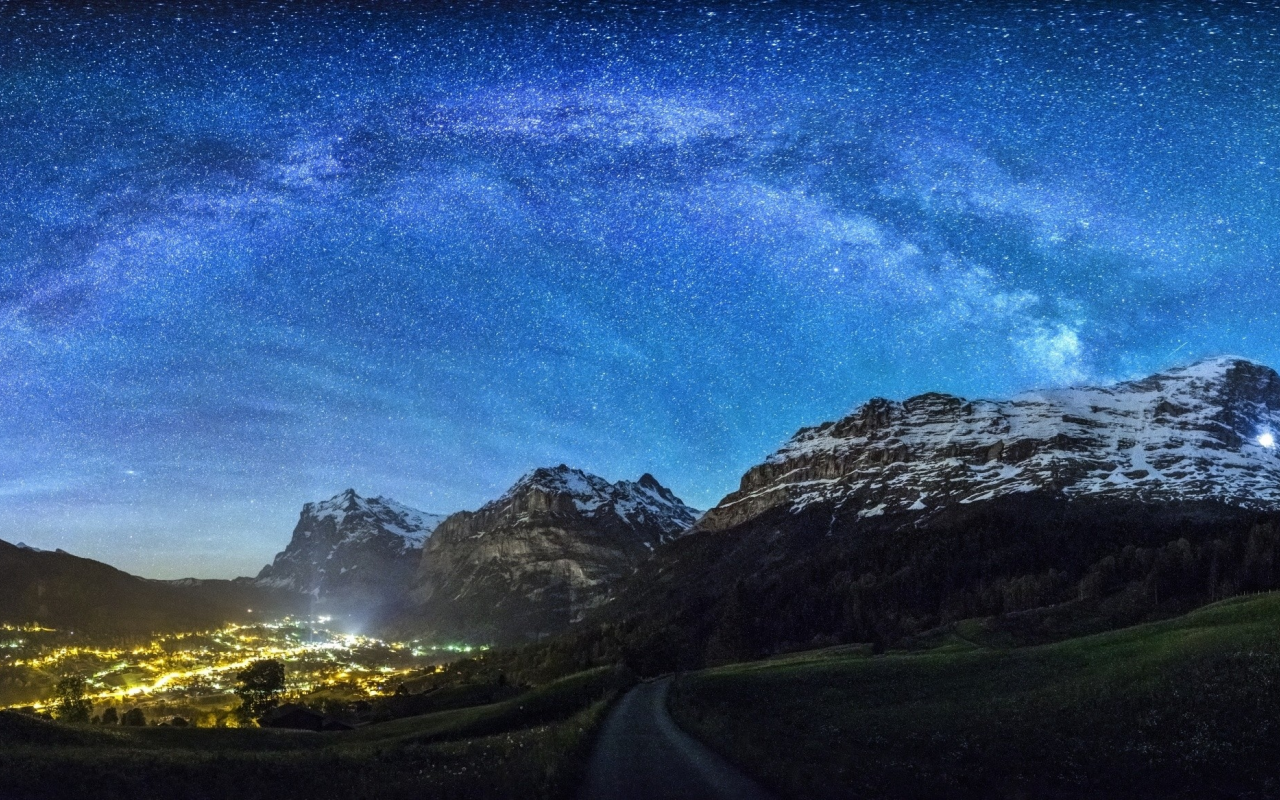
{"x":533,"y":746}
{"x":1188,"y":707}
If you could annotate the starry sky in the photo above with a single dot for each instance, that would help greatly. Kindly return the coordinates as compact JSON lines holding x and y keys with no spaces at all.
{"x":253,"y":254}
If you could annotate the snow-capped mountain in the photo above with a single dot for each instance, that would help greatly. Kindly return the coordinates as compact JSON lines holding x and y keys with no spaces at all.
{"x":650,"y":508}
{"x":352,"y":552}
{"x":1202,"y":432}
{"x":1053,"y":512}
{"x":536,"y":558}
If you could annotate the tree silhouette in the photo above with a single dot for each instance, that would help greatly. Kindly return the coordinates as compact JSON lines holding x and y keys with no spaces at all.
{"x":72,"y":705}
{"x":260,"y":686}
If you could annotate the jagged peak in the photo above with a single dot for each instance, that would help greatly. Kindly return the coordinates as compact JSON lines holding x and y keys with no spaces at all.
{"x":355,"y":519}
{"x":405,"y":521}
{"x":590,"y":493}
{"x":1206,"y":373}
{"x":347,"y":500}
{"x":562,"y":479}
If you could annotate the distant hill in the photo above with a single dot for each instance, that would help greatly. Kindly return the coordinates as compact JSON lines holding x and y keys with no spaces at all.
{"x":63,"y":591}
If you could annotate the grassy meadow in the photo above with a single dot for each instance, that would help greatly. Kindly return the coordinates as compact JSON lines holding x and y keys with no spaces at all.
{"x":1187,"y":707}
{"x":1184,"y":708}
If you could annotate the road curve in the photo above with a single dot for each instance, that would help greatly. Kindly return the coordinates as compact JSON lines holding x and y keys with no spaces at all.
{"x":641,"y":755}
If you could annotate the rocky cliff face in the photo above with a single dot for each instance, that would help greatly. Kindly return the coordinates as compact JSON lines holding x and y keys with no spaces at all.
{"x":1203,"y":432}
{"x":534,"y":560}
{"x":352,"y":553}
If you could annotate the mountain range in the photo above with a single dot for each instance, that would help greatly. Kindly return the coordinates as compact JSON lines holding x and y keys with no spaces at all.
{"x":1101,"y":504}
{"x":530,"y":562}
{"x":1202,"y":432}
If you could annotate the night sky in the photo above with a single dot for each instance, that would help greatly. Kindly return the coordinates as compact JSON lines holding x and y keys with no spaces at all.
{"x":250,"y":257}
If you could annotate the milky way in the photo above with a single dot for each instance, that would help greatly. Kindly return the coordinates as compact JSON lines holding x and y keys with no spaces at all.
{"x":251,"y":256}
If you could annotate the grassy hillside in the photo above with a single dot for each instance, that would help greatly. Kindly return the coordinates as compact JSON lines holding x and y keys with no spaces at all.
{"x":531,"y":746}
{"x":1188,"y":707}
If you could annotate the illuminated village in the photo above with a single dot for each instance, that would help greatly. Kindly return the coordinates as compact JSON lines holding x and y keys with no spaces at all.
{"x":193,"y":675}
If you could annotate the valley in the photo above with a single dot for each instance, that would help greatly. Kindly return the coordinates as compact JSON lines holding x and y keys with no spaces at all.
{"x":765,"y":400}
{"x":1182,"y":708}
{"x":193,"y":675}
{"x":1068,"y":593}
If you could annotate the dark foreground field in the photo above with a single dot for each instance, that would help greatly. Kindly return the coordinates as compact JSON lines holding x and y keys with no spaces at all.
{"x":1188,"y":707}
{"x":534,"y":745}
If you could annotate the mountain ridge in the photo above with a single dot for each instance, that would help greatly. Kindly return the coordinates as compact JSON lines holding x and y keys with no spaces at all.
{"x":1190,"y":433}
{"x":899,"y":515}
{"x":53,"y":587}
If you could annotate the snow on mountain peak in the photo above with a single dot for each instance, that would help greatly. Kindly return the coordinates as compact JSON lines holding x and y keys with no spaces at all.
{"x":635,"y":502}
{"x":1197,"y":432}
{"x":362,"y":515}
{"x":584,"y":487}
{"x":349,"y":545}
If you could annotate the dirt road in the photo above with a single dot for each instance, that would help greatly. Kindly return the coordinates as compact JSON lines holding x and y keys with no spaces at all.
{"x":642,"y":755}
